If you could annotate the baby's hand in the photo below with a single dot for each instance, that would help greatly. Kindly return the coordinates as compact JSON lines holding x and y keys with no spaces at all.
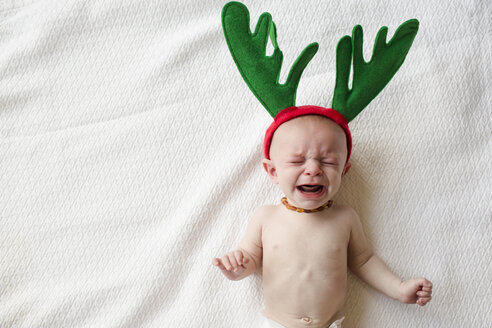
{"x":232,"y":264}
{"x":416,"y":291}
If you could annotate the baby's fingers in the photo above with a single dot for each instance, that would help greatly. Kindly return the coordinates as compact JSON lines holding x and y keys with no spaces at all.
{"x":426,"y":284}
{"x":218,"y":263}
{"x":227,"y":263}
{"x":423,"y":300}
{"x":427,"y":289}
{"x":231,"y":259}
{"x":239,"y":257}
{"x":423,"y":293}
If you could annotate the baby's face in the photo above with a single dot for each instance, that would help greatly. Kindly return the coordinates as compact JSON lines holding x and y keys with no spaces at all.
{"x":308,"y":159}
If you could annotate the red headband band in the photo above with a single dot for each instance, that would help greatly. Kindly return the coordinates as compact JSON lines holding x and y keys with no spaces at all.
{"x":290,"y":113}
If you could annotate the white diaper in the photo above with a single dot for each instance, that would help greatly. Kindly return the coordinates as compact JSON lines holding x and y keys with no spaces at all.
{"x":268,"y":323}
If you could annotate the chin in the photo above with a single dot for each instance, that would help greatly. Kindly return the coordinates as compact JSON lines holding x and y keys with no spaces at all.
{"x":311,"y":205}
{"x":311,"y":200}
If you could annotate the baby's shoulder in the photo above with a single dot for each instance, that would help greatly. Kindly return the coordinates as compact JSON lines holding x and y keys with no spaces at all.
{"x":342,"y":208}
{"x":264,"y":213}
{"x":344,"y":211}
{"x":266,"y":210}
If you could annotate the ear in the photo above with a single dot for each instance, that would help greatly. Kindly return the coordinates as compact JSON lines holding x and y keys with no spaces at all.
{"x":270,"y":169}
{"x":346,"y":168}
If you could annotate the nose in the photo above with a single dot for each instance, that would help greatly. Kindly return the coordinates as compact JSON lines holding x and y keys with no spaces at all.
{"x":312,"y":168}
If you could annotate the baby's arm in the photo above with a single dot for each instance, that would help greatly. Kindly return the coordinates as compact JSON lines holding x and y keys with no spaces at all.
{"x":246,"y":259}
{"x":371,"y":269}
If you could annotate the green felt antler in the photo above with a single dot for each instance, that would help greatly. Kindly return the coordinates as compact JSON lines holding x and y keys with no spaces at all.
{"x":371,"y":77}
{"x":262,"y":72}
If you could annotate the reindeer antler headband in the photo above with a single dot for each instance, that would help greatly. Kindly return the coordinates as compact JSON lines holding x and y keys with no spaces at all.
{"x":261,"y":73}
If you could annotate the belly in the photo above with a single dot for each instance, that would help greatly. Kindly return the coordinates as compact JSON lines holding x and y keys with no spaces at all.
{"x":298,"y":288}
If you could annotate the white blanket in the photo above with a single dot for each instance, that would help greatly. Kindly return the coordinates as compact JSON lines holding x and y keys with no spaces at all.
{"x":130,"y":153}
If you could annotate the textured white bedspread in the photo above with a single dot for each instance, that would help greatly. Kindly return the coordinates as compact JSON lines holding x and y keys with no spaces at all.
{"x":130,"y":156}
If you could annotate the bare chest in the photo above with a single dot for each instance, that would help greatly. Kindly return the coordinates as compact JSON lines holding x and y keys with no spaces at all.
{"x":301,"y":242}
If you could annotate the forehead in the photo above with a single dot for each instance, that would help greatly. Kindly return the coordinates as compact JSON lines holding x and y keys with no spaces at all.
{"x":307,"y":132}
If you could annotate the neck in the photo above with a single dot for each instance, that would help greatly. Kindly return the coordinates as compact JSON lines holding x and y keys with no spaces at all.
{"x":304,"y":210}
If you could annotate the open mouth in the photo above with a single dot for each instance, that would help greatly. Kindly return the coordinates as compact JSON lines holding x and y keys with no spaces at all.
{"x":311,"y":190}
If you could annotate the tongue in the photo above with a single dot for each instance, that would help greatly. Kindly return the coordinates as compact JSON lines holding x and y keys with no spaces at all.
{"x":309,"y":188}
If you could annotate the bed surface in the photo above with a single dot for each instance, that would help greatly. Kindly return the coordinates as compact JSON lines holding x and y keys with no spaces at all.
{"x":130,"y":156}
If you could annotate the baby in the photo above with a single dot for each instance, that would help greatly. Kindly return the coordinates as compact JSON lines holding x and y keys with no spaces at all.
{"x":304,"y":245}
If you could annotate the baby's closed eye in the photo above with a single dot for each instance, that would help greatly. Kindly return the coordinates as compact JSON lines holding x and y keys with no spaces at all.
{"x":329,"y":163}
{"x":331,"y":160}
{"x":296,"y":160}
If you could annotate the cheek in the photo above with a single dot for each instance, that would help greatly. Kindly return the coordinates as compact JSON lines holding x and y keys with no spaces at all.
{"x":334,"y":173}
{"x":291,"y":174}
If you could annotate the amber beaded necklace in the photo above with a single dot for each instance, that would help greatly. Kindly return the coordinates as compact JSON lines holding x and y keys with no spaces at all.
{"x":302,"y":210}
